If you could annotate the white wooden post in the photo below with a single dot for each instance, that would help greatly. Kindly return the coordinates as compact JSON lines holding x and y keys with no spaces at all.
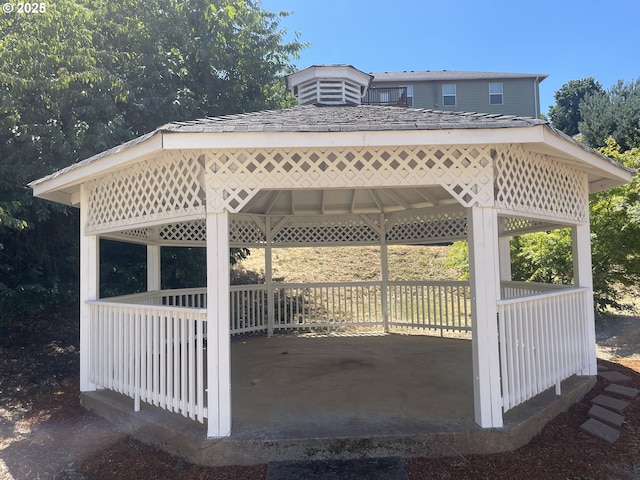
{"x":268,"y":279}
{"x":153,"y":268}
{"x":89,"y":290}
{"x":505,"y":258}
{"x":384,"y":274}
{"x":583,"y":277}
{"x":218,"y":335}
{"x":485,"y":291}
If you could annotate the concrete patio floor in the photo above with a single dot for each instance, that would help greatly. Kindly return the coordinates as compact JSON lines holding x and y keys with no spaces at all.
{"x":308,"y":397}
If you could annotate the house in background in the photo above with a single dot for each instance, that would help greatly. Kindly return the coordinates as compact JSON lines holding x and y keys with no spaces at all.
{"x":459,"y":91}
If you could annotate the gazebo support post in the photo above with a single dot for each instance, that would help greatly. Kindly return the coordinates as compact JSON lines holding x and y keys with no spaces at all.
{"x":384,"y":274}
{"x":582,"y":273}
{"x":504,"y":248}
{"x":218,"y":335}
{"x":89,"y":289}
{"x":485,"y":291}
{"x":153,"y":268}
{"x":268,"y":278}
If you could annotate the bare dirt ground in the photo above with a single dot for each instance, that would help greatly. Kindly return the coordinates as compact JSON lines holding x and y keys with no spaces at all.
{"x":44,"y":434}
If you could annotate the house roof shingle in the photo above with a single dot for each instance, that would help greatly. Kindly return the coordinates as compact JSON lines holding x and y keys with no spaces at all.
{"x":449,"y":75}
{"x":318,"y":118}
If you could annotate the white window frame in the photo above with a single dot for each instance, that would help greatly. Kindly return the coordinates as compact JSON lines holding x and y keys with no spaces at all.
{"x":409,"y":94}
{"x":449,"y":95}
{"x":494,"y":94}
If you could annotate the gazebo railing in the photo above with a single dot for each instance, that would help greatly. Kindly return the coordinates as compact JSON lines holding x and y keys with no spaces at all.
{"x":522,"y":289}
{"x":151,"y":353}
{"x":152,"y":346}
{"x":443,"y":306}
{"x":330,"y":305}
{"x":543,"y":340}
{"x":430,"y":305}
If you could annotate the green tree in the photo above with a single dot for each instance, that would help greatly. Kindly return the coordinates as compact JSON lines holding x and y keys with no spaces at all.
{"x":565,"y":114}
{"x":615,"y":113}
{"x":87,"y":75}
{"x":615,"y":227}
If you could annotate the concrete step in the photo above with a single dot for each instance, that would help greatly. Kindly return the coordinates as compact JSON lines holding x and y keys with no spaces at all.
{"x":616,"y":390}
{"x":603,"y":368}
{"x":600,"y":430}
{"x":605,"y":415}
{"x":614,"y":404}
{"x":615,"y":377}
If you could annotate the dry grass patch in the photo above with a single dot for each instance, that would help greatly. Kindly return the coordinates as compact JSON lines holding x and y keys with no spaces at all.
{"x":352,"y":264}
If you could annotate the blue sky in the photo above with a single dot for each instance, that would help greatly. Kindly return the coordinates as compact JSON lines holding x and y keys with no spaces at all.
{"x":566,"y":39}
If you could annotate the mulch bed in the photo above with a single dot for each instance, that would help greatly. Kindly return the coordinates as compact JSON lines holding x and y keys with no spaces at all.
{"x":45,"y":434}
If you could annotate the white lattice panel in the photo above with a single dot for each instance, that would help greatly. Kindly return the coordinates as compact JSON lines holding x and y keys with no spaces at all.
{"x":233,"y":177}
{"x":532,"y":183}
{"x":136,"y":233}
{"x":246,"y":230}
{"x":427,"y":225}
{"x":332,"y":231}
{"x":516,"y":226}
{"x":195,"y":231}
{"x":164,"y":188}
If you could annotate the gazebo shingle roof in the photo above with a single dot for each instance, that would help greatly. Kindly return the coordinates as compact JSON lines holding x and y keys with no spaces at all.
{"x":318,"y":118}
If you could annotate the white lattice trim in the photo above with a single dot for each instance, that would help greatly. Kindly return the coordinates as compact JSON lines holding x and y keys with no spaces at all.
{"x":247,"y":230}
{"x":427,"y":225}
{"x":234,"y":177}
{"x":186,"y":232}
{"x":151,"y":191}
{"x":356,"y":230}
{"x":531,"y":183}
{"x":511,"y":226}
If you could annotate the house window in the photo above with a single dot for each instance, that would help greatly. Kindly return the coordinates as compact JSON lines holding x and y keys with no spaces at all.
{"x":495,"y":94}
{"x":409,"y":95}
{"x":449,"y":94}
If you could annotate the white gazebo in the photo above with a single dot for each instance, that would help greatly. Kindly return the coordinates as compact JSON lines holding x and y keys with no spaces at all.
{"x":334,"y":172}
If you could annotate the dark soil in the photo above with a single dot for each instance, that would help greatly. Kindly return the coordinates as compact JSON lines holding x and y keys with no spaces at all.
{"x":45,"y":434}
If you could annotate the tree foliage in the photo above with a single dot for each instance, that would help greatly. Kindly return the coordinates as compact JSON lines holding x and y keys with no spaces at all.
{"x":87,"y":75}
{"x":615,"y":227}
{"x":615,"y":113}
{"x":565,"y":114}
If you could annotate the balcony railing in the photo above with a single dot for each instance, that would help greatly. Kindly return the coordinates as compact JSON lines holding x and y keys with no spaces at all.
{"x":394,"y":96}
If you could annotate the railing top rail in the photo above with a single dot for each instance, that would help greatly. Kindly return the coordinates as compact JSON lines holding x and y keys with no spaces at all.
{"x":537,"y":296}
{"x":373,"y":283}
{"x":536,"y":285}
{"x":446,"y":283}
{"x":153,"y":294}
{"x":144,"y":307}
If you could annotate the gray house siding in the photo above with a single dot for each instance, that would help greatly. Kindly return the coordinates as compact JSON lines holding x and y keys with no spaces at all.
{"x":520,"y":96}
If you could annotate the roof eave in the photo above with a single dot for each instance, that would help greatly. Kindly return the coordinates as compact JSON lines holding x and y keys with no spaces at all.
{"x":604,"y":172}
{"x":60,"y":186}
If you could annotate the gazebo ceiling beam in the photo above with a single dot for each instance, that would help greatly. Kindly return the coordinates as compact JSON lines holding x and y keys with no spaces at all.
{"x":323,"y":203}
{"x":353,"y":201}
{"x":397,"y":198}
{"x":429,"y":198}
{"x":274,"y":198}
{"x":377,"y":200}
